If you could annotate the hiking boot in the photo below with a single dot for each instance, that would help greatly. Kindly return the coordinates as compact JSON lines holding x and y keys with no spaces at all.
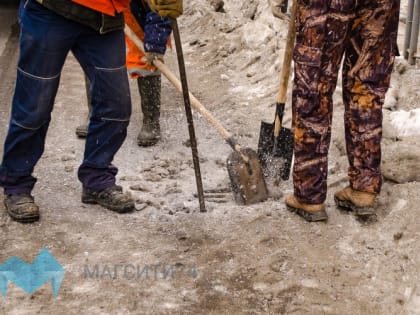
{"x":310,"y":212}
{"x":82,"y":131}
{"x":149,"y":88}
{"x":21,"y":208}
{"x":111,"y":198}
{"x":360,"y":202}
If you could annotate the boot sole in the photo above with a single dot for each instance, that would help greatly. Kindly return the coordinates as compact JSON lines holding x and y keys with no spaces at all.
{"x":24,"y":219}
{"x":120,"y":209}
{"x":309,"y":216}
{"x":147,"y":143}
{"x":359,"y":211}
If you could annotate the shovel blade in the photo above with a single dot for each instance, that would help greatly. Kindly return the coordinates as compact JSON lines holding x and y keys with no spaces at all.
{"x":247,"y":180}
{"x":276,"y":163}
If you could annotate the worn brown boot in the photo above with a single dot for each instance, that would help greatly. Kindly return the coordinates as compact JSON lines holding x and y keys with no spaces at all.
{"x":22,"y":208}
{"x":149,"y":88}
{"x":360,"y":202}
{"x":111,"y":198}
{"x":310,"y":212}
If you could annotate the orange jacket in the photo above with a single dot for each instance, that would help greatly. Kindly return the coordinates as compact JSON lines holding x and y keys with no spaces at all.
{"x":108,"y":7}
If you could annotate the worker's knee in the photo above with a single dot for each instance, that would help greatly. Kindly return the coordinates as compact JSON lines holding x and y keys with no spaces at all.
{"x":111,"y":98}
{"x":33,"y":99}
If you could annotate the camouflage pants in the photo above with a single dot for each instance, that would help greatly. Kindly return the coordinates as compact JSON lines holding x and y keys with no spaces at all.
{"x":364,"y":33}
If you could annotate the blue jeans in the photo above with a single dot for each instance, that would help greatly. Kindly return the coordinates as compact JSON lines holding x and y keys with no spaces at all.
{"x":45,"y":41}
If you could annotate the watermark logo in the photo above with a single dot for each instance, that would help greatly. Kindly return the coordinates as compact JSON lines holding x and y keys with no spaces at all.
{"x":31,"y":276}
{"x":155,"y":272}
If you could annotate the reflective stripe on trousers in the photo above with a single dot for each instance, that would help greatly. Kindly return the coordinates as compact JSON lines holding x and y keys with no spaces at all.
{"x":45,"y":41}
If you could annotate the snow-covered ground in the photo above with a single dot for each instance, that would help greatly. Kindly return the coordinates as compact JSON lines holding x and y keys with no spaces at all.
{"x":407,"y":123}
{"x":258,"y":259}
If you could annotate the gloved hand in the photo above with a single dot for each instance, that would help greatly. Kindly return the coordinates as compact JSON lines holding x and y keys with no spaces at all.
{"x":149,"y":57}
{"x":167,"y":8}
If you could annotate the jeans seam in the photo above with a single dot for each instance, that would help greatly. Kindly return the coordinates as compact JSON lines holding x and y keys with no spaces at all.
{"x":37,"y":77}
{"x":115,"y":119}
{"x":110,"y":69}
{"x":25,"y":127}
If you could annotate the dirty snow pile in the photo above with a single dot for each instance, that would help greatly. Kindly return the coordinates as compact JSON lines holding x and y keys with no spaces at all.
{"x":246,"y":40}
{"x":407,"y":123}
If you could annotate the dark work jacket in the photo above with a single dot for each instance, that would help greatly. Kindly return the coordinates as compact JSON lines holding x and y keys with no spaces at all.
{"x":101,"y":22}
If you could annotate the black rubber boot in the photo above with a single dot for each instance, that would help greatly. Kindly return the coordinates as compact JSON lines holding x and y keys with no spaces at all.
{"x":149,"y":88}
{"x":82,"y":130}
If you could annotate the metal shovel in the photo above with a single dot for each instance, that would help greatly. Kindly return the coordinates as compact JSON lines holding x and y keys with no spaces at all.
{"x":275,"y":145}
{"x":245,"y":172}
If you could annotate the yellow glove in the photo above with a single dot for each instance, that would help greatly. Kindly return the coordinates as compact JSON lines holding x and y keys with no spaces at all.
{"x":167,"y":8}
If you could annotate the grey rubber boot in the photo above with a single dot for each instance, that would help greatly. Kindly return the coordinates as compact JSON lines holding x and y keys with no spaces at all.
{"x":82,"y":130}
{"x":149,"y":88}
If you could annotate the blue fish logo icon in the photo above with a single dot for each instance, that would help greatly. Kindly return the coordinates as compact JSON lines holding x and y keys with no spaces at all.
{"x":31,"y":276}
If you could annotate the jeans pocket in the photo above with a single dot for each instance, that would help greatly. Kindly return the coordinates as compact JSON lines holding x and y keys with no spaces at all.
{"x":111,"y":98}
{"x":31,"y":6}
{"x":33,"y":100}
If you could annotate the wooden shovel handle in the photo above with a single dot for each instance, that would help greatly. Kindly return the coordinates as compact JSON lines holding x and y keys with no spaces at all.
{"x":226,"y":135}
{"x":194,"y":101}
{"x":287,"y":61}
